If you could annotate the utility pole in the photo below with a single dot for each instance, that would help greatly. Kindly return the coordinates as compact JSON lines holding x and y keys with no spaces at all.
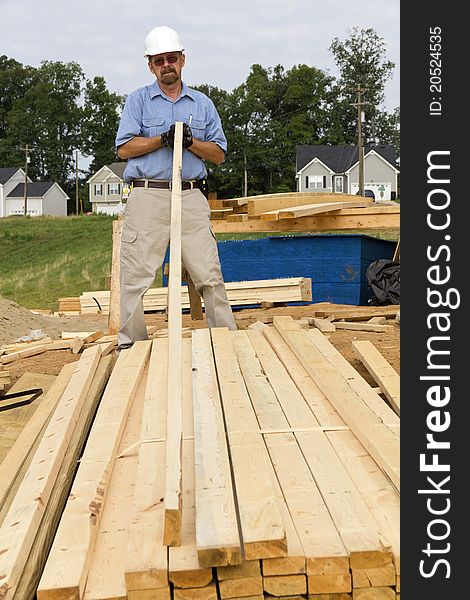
{"x":26,"y":150}
{"x":359,"y":91}
{"x":76,"y":182}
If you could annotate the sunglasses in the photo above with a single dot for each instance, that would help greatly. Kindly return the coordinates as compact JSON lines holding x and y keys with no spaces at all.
{"x":170,"y":59}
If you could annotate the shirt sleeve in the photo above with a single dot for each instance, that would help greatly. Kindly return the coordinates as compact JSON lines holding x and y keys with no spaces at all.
{"x":131,"y":120}
{"x":214,"y":131}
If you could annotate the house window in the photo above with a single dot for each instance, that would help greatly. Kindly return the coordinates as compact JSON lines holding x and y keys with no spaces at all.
{"x":339,"y":185}
{"x":98,"y":189}
{"x":316,"y":182}
{"x":114,"y":189}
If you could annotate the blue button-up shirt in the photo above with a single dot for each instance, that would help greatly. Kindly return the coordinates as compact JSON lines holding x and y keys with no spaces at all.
{"x":149,"y":112}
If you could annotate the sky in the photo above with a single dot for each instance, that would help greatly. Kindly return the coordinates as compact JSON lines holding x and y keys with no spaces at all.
{"x":221,"y":39}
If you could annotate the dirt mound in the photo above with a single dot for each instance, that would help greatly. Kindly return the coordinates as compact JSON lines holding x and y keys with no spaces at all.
{"x":17,"y":321}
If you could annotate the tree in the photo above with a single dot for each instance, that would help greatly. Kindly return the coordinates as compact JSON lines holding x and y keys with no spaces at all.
{"x":362,"y":64}
{"x":47,"y":118}
{"x":100,"y":122}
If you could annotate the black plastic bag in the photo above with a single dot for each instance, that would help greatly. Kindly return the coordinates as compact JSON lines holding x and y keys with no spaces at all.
{"x":383,"y":277}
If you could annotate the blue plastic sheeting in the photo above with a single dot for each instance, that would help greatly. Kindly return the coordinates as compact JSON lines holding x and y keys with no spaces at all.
{"x":336,"y":263}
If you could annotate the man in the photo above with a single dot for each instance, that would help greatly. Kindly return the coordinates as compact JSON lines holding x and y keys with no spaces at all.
{"x":145,"y":138}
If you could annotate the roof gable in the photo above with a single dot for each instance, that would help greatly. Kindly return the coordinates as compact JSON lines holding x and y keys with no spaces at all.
{"x":35,"y":190}
{"x":6,"y":173}
{"x":339,"y":158}
{"x":117,"y":168}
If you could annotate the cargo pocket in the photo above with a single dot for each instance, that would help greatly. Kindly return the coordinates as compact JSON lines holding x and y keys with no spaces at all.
{"x":152,"y":127}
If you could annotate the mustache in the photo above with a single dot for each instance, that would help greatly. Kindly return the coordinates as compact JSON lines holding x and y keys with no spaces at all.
{"x":168,"y":70}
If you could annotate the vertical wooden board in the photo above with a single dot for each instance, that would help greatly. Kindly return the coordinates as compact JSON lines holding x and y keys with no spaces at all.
{"x":67,"y":567}
{"x":20,"y":526}
{"x":323,"y":410}
{"x":260,"y":518}
{"x":107,"y":566}
{"x":16,"y":462}
{"x":217,"y":536}
{"x":183,"y":565}
{"x":355,"y":380}
{"x":382,"y":444}
{"x":172,"y":524}
{"x":34,"y":566}
{"x":147,"y":559}
{"x":114,"y":317}
{"x":382,"y":371}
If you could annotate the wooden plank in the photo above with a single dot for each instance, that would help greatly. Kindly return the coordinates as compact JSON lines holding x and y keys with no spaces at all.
{"x":308,"y":210}
{"x":16,"y":462}
{"x":285,"y":585}
{"x":382,"y":444}
{"x":257,"y":205}
{"x":157,"y":594}
{"x":147,"y":557}
{"x":106,"y":577}
{"x":21,"y":523}
{"x":217,"y":537}
{"x":183,"y":565}
{"x":323,"y":325}
{"x":260,"y":518}
{"x":378,"y":320}
{"x":209,"y":592}
{"x":376,"y":217}
{"x":172,"y":524}
{"x":68,"y":564}
{"x":360,"y":313}
{"x":374,"y":577}
{"x":8,"y":358}
{"x":114,"y":317}
{"x":356,"y":382}
{"x":248,"y":568}
{"x":241,"y":588}
{"x":363,"y":326}
{"x":374,"y":593}
{"x":13,"y":421}
{"x":37,"y":558}
{"x":381,"y":370}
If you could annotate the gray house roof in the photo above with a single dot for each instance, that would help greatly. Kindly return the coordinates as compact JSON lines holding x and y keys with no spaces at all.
{"x":339,"y":158}
{"x":35,"y":190}
{"x":118,"y":168}
{"x":6,"y":173}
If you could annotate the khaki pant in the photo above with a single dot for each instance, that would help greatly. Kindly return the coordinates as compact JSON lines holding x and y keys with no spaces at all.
{"x":145,"y":237}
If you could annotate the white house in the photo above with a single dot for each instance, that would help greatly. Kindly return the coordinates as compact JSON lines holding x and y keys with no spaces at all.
{"x":106,"y":188}
{"x":43,"y":198}
{"x":10,"y":177}
{"x":336,"y":169}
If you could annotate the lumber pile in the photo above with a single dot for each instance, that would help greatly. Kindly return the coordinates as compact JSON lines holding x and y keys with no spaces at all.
{"x":303,"y":211}
{"x":240,"y":293}
{"x":289,"y":477}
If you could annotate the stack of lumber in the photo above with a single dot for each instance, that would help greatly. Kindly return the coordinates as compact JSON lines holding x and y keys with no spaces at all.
{"x":299,"y":211}
{"x":37,"y":470}
{"x":289,"y":477}
{"x":69,"y":305}
{"x":240,"y":293}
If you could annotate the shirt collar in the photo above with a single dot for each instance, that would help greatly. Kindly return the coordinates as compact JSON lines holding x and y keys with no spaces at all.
{"x":155,"y":90}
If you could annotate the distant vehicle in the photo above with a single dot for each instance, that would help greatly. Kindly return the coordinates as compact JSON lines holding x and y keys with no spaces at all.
{"x":368,"y":194}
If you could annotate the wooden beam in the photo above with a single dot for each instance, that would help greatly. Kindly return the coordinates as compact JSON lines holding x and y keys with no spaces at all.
{"x":172,"y":525}
{"x":363,"y":327}
{"x":382,"y":444}
{"x":21,"y":523}
{"x":106,"y":577}
{"x":76,"y":535}
{"x":359,"y":313}
{"x":377,"y":217}
{"x":256,"y":205}
{"x":114,"y":318}
{"x":260,"y":518}
{"x":16,"y":462}
{"x":147,"y":557}
{"x":217,"y":537}
{"x":37,"y":558}
{"x":308,"y":210}
{"x":381,"y":370}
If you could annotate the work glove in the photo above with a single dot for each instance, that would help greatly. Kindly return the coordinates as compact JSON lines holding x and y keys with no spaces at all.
{"x":187,"y":136}
{"x":168,"y":138}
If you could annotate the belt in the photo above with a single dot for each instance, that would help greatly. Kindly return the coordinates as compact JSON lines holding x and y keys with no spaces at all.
{"x":164,"y":185}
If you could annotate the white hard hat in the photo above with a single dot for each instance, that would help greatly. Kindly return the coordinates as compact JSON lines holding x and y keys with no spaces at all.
{"x":162,"y":39}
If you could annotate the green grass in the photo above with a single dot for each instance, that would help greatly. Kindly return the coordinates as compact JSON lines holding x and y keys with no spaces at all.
{"x":43,"y":259}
